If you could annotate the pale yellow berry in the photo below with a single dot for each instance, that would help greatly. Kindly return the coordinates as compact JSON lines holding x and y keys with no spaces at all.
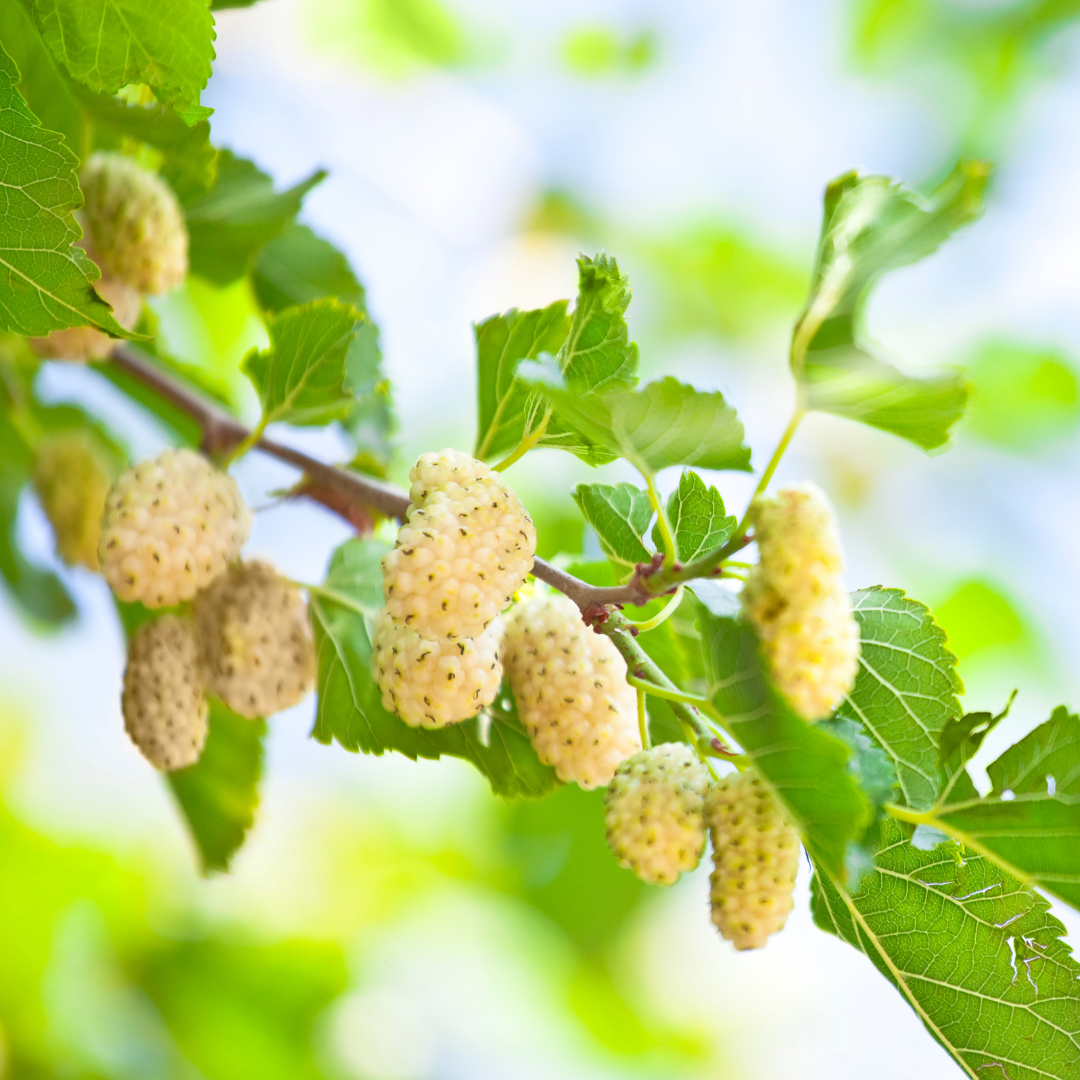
{"x":796,"y":602}
{"x":135,"y":223}
{"x":163,"y":702}
{"x":72,"y":475}
{"x":571,"y":690}
{"x":431,"y":682}
{"x":255,"y":640}
{"x":653,"y":810}
{"x":171,"y":526}
{"x":756,"y":858}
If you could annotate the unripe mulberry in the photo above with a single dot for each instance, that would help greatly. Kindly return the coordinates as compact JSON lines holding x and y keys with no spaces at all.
{"x":82,"y":343}
{"x":571,"y":690}
{"x":433,"y":681}
{"x":465,"y":549}
{"x":135,"y":223}
{"x":171,"y":526}
{"x":653,"y":810}
{"x":164,"y":705}
{"x":796,"y":602}
{"x":756,"y":857}
{"x":72,"y":477}
{"x":255,"y":640}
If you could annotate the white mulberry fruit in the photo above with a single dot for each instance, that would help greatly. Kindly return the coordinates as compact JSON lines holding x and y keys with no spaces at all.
{"x":163,"y":702}
{"x":83,"y":343}
{"x":796,"y":602}
{"x":654,"y":812}
{"x":571,"y":690}
{"x":171,"y":526}
{"x":72,"y":476}
{"x":255,"y":640}
{"x":135,"y":223}
{"x":466,"y":547}
{"x":756,"y":858}
{"x":430,"y":681}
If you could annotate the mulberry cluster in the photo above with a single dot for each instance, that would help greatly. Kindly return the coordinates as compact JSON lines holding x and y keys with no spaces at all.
{"x":72,"y":478}
{"x":755,"y":855}
{"x":255,"y":640}
{"x":171,"y":526}
{"x":571,"y":690}
{"x":653,"y":810}
{"x":797,"y":604}
{"x":466,"y":547}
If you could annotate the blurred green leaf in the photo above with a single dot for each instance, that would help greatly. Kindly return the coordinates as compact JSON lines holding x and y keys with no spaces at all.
{"x":229,"y":224}
{"x":977,"y":956}
{"x":978,"y":617}
{"x":109,"y":44}
{"x":591,"y":50}
{"x":45,"y":282}
{"x":620,"y":514}
{"x":220,"y":792}
{"x":502,"y":342}
{"x":302,"y":378}
{"x":350,"y":709}
{"x":697,"y":519}
{"x":873,"y":225}
{"x":1025,"y":398}
{"x":807,"y":768}
{"x":906,"y":688}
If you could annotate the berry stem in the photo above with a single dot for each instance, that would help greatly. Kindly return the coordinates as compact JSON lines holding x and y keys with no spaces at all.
{"x":774,"y":461}
{"x":526,"y":444}
{"x":662,"y":521}
{"x":643,"y":720}
{"x":662,"y":615}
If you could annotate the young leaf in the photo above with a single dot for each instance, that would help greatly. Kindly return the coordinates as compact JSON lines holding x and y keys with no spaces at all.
{"x":977,"y":956}
{"x":230,"y":223}
{"x":620,"y":514}
{"x":906,"y":689}
{"x":220,"y":792}
{"x":1030,"y":823}
{"x":45,"y":282}
{"x":109,"y":44}
{"x":697,"y":519}
{"x":664,"y":423}
{"x":302,"y":378}
{"x":808,"y":768}
{"x":502,"y":342}
{"x":873,"y":225}
{"x":350,"y":709}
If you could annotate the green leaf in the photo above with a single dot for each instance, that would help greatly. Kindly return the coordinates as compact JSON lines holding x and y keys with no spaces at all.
{"x":697,"y":519}
{"x":109,"y":44}
{"x":1030,"y":823}
{"x":664,"y":423}
{"x":502,"y":342}
{"x":229,"y":224}
{"x":298,"y":266}
{"x":976,"y":955}
{"x":350,"y":709}
{"x":220,"y":792}
{"x":873,"y":225}
{"x":906,"y":689}
{"x":302,"y":378}
{"x":45,"y":282}
{"x":808,"y":768}
{"x":620,"y":514}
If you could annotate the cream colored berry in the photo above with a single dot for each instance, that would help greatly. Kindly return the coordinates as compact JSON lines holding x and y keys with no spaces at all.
{"x":653,"y":810}
{"x":796,"y":602}
{"x":135,"y":223}
{"x":756,"y":857}
{"x":571,"y":690}
{"x":72,"y":475}
{"x":255,"y":640}
{"x":163,"y":702}
{"x":83,"y":343}
{"x":429,"y":681}
{"x":466,"y":547}
{"x":171,"y":526}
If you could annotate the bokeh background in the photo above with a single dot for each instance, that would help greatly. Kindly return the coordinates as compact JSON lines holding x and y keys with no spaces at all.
{"x":390,"y":920}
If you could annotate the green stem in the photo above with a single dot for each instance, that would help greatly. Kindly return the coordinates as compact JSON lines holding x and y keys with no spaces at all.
{"x":242,"y":447}
{"x":912,"y":817}
{"x":669,"y":694}
{"x":661,"y":517}
{"x":774,"y":461}
{"x":525,"y":445}
{"x":643,"y":721}
{"x":662,"y":615}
